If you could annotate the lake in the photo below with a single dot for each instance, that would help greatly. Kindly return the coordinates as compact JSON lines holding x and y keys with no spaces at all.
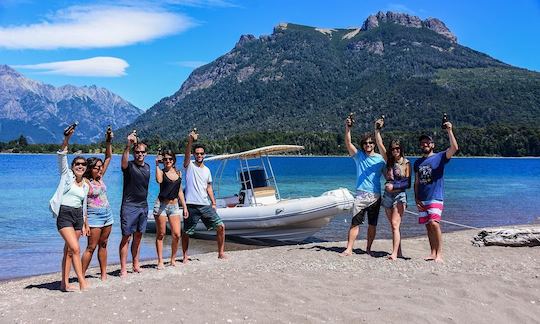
{"x":480,"y":192}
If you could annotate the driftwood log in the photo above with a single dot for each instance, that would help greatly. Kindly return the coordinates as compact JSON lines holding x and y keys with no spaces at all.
{"x":514,"y":237}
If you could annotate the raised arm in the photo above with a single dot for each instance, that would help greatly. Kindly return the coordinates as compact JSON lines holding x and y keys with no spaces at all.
{"x":159,"y":172}
{"x":453,"y":142}
{"x":348,"y":142}
{"x":125,"y":156}
{"x":108,"y":154}
{"x":62,"y":154}
{"x":187,"y":154}
{"x":379,"y":140}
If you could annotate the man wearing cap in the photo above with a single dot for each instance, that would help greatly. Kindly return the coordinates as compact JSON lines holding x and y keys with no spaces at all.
{"x":429,"y":188}
{"x":369,"y":166}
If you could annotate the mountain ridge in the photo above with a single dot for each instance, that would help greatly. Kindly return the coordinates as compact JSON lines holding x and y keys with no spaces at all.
{"x":40,"y":111}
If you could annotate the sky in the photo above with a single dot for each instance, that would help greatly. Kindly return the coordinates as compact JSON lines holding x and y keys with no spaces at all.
{"x":144,"y":50}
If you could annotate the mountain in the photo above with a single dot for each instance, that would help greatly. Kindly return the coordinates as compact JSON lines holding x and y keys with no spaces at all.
{"x":307,"y":79}
{"x":41,"y":111}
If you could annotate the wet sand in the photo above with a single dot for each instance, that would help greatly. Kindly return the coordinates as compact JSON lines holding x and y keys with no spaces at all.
{"x":301,"y":284}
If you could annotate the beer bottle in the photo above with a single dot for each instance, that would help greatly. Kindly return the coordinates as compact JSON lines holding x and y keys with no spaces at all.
{"x":70,"y":127}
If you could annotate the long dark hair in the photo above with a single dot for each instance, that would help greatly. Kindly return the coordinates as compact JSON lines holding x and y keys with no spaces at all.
{"x":90,"y":164}
{"x":390,"y":157}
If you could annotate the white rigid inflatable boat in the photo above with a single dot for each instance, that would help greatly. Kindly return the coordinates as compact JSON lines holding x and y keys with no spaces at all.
{"x":258,"y":212}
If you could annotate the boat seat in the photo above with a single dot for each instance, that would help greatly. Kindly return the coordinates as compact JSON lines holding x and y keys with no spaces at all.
{"x":264,"y":192}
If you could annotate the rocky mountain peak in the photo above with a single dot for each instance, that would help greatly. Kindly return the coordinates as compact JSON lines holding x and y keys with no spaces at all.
{"x":407,"y":20}
{"x":245,"y":39}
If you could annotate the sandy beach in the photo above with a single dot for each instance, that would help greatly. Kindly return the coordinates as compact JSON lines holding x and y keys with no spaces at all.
{"x":301,"y":284}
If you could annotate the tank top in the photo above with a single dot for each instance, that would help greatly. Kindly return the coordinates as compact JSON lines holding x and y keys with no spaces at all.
{"x":168,"y":189}
{"x":396,"y":173}
{"x":97,"y":195}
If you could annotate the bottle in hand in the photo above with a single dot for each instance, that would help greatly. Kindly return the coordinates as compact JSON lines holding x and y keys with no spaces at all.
{"x":381,"y":125}
{"x":350,"y":120}
{"x":108,"y":134}
{"x":134,"y":133}
{"x":444,"y":120}
{"x":70,"y":127}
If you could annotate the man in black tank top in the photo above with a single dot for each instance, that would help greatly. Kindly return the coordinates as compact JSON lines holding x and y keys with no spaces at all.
{"x":134,"y":210}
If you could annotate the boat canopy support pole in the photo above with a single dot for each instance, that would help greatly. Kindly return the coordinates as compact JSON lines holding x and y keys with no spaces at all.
{"x":273,"y":177}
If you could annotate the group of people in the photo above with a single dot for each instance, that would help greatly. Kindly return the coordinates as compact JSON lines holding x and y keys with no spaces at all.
{"x":81,"y":207}
{"x":396,"y":169}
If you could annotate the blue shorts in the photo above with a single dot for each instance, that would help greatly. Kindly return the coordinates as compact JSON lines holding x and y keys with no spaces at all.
{"x":391,"y":199}
{"x":164,"y":209}
{"x":100,"y":217}
{"x":208,"y":215}
{"x":133,"y":219}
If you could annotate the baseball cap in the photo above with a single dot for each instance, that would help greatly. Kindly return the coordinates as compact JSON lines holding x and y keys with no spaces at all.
{"x":424,"y":137}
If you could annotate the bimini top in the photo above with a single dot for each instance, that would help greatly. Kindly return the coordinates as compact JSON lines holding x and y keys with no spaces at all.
{"x":272,"y":149}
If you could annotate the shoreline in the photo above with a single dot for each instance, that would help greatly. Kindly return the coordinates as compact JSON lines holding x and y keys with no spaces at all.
{"x":302,"y":284}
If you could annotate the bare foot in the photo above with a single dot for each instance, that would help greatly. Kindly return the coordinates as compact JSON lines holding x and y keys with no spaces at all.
{"x":83,"y":285}
{"x":185,"y":260}
{"x":67,"y":288}
{"x":137,"y":269}
{"x":368,"y":251}
{"x":159,"y":266}
{"x":173,"y":263}
{"x":392,"y":257}
{"x":438,"y":259}
{"x":103,"y":277}
{"x":123,"y":274}
{"x":345,"y":253}
{"x":222,"y":256}
{"x":430,"y":258}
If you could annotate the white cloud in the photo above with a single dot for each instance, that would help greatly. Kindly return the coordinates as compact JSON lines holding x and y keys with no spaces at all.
{"x":191,"y":64}
{"x":398,"y":7}
{"x":95,"y":27}
{"x":100,"y":66}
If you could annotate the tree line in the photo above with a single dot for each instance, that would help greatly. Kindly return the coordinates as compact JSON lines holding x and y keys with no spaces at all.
{"x":498,"y":140}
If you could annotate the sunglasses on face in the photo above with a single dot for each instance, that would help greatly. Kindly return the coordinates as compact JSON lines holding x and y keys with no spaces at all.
{"x":167,"y":159}
{"x":199,"y":153}
{"x":80,"y":163}
{"x":424,"y":143}
{"x":370,"y":143}
{"x":396,"y":148}
{"x":140,"y":152}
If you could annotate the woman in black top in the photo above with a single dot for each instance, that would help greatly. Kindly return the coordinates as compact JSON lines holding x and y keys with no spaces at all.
{"x":170,"y":193}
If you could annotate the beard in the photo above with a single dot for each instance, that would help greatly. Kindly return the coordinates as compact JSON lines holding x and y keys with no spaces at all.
{"x":427,"y":150}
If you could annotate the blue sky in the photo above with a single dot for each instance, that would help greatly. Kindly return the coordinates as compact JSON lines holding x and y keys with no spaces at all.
{"x":144,"y":50}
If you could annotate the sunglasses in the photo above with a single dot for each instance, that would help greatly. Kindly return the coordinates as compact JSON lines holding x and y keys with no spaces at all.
{"x":396,"y":148}
{"x":167,"y":159}
{"x":80,"y":163}
{"x":199,"y":153}
{"x":140,"y":152}
{"x":371,"y":143}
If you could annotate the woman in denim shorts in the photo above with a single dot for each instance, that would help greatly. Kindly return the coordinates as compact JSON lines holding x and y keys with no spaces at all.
{"x":394,"y":200}
{"x":100,"y":217}
{"x":166,"y":206}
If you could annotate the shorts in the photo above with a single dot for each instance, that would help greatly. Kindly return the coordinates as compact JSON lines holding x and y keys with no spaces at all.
{"x":100,"y":217}
{"x":391,"y":199}
{"x":208,"y":215}
{"x":431,"y":212}
{"x":164,"y":209}
{"x":366,"y":202}
{"x":70,"y":217}
{"x":133,"y":219}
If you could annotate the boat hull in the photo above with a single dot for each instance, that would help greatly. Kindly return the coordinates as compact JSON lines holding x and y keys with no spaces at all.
{"x":286,"y":220}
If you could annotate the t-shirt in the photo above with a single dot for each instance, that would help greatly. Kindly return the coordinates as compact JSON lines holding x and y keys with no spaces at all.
{"x":74,"y":197}
{"x":368,"y":171}
{"x":136,"y":178}
{"x":197,"y":180}
{"x":430,"y":171}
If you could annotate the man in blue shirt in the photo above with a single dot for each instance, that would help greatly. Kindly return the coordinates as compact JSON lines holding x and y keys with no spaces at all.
{"x":429,"y":188}
{"x":369,"y":167}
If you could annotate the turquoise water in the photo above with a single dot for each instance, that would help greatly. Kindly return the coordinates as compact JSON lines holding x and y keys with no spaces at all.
{"x":479,"y":192}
